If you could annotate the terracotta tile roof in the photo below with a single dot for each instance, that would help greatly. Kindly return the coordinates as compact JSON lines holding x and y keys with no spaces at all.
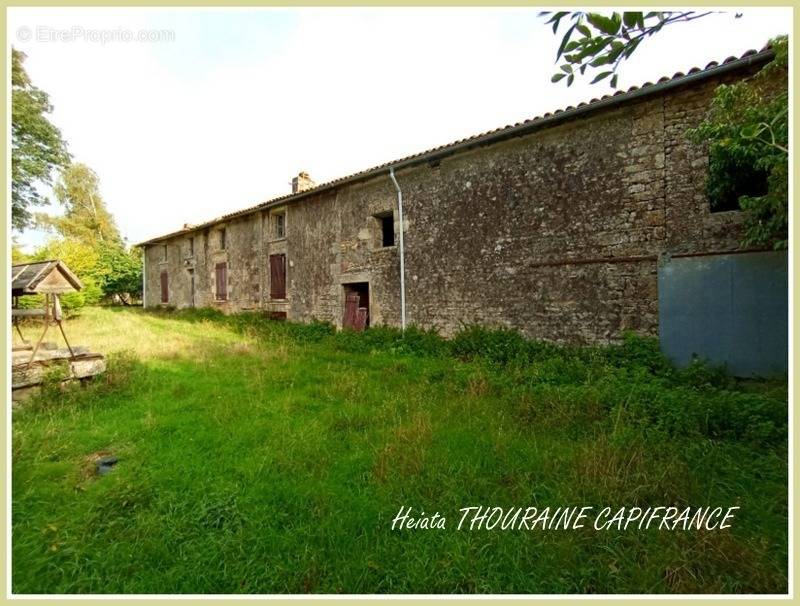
{"x":748,"y":59}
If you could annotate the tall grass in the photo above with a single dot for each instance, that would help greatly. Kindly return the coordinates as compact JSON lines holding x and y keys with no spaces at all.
{"x":264,"y":456}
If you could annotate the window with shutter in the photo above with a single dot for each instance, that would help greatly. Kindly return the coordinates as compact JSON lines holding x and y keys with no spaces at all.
{"x":277,"y":274}
{"x":222,"y":281}
{"x":164,"y":287}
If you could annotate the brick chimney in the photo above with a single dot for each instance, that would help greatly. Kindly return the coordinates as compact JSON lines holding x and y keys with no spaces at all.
{"x":302,"y":182}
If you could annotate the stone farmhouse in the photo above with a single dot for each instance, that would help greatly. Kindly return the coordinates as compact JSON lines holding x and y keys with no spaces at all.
{"x":555,"y":226}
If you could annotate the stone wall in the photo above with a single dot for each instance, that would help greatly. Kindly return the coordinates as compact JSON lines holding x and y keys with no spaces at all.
{"x":514,"y":234}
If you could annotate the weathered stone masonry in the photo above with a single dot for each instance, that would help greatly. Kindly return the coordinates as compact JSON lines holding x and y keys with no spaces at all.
{"x":556,"y":233}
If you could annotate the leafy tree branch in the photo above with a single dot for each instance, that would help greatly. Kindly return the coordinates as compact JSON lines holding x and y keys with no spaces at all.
{"x":37,"y":148}
{"x":597,"y":42}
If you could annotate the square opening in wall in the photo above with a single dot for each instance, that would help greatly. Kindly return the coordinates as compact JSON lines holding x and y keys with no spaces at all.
{"x":732,"y":179}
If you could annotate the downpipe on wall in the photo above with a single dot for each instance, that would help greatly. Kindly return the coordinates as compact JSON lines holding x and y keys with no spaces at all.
{"x":144,"y":278}
{"x":402,"y":251}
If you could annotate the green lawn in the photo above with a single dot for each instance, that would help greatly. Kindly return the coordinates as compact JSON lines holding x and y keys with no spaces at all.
{"x":260,"y":457}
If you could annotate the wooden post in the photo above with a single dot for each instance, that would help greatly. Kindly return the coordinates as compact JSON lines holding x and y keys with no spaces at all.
{"x":46,"y":325}
{"x":57,"y":316}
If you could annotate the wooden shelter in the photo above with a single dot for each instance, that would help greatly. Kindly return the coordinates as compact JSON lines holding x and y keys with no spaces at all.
{"x":30,"y":364}
{"x":51,"y":277}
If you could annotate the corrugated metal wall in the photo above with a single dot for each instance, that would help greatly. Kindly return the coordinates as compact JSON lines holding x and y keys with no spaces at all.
{"x":730,"y":309}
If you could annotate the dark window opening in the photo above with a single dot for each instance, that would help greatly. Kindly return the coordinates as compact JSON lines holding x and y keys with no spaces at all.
{"x":730,"y":179}
{"x":221,"y":272}
{"x":164,"y":287}
{"x":387,"y":230}
{"x":277,"y":276}
{"x":191,"y":247}
{"x":164,"y":252}
{"x":222,"y":239}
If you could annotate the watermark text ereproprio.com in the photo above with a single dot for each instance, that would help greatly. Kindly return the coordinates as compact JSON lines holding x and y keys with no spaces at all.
{"x":77,"y":33}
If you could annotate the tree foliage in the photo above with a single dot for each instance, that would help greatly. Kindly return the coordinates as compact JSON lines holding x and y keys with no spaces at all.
{"x":747,"y":133}
{"x":599,"y":43}
{"x":85,"y":217}
{"x":125,"y":271}
{"x":88,"y":241}
{"x":104,"y":269}
{"x":37,"y":147}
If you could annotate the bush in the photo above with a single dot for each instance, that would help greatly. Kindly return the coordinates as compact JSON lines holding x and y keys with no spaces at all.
{"x":500,"y":346}
{"x":421,"y":342}
{"x":313,"y":332}
{"x":31,"y":302}
{"x":751,"y":417}
{"x":377,"y":338}
{"x":639,"y":351}
{"x":681,"y":411}
{"x":702,"y":375}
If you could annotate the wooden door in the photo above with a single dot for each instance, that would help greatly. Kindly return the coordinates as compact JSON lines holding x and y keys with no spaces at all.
{"x":356,"y":306}
{"x":350,"y":310}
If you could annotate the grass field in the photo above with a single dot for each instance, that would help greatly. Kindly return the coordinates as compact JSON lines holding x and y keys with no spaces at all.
{"x":262,"y":457}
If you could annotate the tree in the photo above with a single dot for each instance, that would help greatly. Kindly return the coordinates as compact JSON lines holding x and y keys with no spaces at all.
{"x":37,"y":147}
{"x":124,"y":277}
{"x":89,"y":241}
{"x":747,"y":133}
{"x":602,"y":42}
{"x":85,"y":217}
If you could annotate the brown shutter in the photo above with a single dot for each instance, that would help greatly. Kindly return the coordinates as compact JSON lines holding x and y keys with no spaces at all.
{"x":222,"y":281}
{"x":164,"y":287}
{"x":277,"y":276}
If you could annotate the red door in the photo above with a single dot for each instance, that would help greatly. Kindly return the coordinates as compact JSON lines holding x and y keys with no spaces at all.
{"x":350,"y":310}
{"x":356,"y":306}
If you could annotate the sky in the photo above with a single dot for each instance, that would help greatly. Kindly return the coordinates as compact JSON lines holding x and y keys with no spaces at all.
{"x":218,"y":109}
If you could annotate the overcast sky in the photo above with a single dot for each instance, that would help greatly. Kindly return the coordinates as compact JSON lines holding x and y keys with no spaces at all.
{"x":229,"y":104}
